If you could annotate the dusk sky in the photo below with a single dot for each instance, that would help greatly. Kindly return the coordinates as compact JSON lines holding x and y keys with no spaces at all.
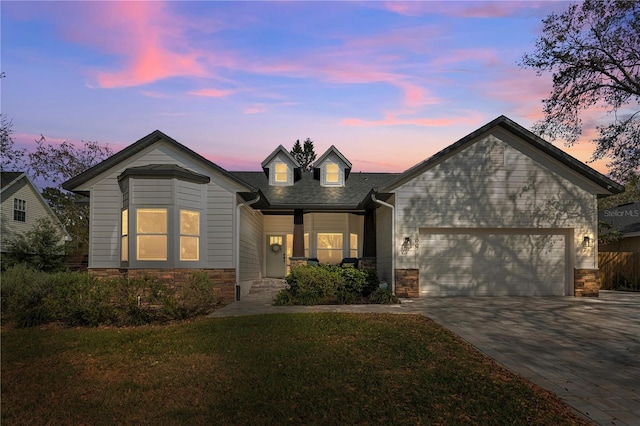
{"x":388,"y":83}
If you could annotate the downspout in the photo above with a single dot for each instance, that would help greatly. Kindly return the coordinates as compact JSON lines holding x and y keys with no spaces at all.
{"x":242,"y":204}
{"x":393,"y":240}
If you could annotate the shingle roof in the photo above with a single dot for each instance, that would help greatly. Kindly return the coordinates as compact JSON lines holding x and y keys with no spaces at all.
{"x":7,"y":177}
{"x":307,"y":193}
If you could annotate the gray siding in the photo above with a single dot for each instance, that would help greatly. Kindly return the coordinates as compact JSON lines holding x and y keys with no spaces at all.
{"x":475,"y":188}
{"x":251,"y":250}
{"x":107,"y":201}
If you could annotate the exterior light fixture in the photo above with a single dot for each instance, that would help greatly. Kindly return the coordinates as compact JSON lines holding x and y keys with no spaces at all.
{"x":587,"y":241}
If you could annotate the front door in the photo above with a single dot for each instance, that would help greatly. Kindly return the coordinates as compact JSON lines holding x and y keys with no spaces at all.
{"x":276,"y":256}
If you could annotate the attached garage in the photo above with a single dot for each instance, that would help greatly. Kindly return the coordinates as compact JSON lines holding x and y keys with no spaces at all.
{"x":493,"y":262}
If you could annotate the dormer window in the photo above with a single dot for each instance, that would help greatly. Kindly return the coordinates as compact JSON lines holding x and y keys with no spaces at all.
{"x":332,"y":173}
{"x":281,"y":172}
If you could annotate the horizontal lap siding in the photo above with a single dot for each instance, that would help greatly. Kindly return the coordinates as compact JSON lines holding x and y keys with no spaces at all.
{"x":220,"y":234}
{"x":471,"y":189}
{"x":251,"y":230}
{"x":35,"y":210}
{"x":106,"y":203}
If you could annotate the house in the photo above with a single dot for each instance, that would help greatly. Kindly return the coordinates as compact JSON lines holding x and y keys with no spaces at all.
{"x":22,"y":207}
{"x":619,"y":258}
{"x":499,"y":212}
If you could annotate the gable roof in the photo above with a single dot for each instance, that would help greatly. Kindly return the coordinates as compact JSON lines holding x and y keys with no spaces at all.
{"x":135,"y":148}
{"x":530,"y":138}
{"x":8,"y":179}
{"x":334,"y":150}
{"x":279,"y":149}
{"x":310,"y":195}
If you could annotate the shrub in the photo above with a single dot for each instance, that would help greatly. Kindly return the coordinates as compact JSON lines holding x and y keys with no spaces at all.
{"x":31,"y":297}
{"x":309,"y":283}
{"x":383,"y":296}
{"x":355,"y":280}
{"x":41,"y":248}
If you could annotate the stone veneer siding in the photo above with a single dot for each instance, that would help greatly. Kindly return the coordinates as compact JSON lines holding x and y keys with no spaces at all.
{"x":586,"y":282}
{"x":407,"y":282}
{"x":224,"y":279}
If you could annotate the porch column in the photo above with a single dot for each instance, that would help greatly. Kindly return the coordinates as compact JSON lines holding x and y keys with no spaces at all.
{"x":298,"y":233}
{"x":369,"y":237}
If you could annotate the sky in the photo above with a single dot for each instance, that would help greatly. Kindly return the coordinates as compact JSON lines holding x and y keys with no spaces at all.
{"x":388,"y":83}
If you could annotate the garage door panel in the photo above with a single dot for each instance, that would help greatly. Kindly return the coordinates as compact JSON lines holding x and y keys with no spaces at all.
{"x":481,"y":262}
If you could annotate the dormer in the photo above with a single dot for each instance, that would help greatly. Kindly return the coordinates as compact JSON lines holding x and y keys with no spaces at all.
{"x":332,"y":168}
{"x":281,"y":168}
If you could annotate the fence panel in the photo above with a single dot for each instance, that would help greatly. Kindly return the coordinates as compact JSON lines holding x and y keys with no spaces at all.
{"x":615,"y":266}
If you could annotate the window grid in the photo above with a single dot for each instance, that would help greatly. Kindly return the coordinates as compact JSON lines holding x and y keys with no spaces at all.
{"x":19,"y":210}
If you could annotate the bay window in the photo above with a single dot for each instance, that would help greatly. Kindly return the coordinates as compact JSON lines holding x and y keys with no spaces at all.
{"x":151,"y":234}
{"x":124,"y":236}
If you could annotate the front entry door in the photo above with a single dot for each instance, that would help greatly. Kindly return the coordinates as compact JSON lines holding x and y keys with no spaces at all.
{"x":276,"y":256}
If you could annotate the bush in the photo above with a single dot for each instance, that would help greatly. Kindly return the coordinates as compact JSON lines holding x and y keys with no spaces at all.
{"x":383,"y":296}
{"x":310,"y":285}
{"x":41,"y":248}
{"x":31,"y":297}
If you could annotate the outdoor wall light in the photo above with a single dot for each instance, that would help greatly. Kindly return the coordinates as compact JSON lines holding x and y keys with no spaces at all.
{"x":587,"y":241}
{"x":406,"y":245}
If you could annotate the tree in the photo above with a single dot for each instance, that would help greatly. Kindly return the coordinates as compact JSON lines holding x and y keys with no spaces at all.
{"x":12,"y":157}
{"x":56,"y":164}
{"x":41,"y":247}
{"x":592,"y":50}
{"x":304,"y":154}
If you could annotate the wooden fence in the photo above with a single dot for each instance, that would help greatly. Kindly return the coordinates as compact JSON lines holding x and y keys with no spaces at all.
{"x":614,"y":265}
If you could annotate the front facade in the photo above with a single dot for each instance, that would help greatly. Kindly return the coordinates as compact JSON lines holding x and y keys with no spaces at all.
{"x":22,"y":207}
{"x":498,"y":212}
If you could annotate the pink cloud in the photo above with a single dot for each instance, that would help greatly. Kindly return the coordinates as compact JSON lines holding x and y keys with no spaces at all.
{"x":466,"y":9}
{"x":211,"y":93}
{"x":256,"y":109}
{"x":391,"y":119}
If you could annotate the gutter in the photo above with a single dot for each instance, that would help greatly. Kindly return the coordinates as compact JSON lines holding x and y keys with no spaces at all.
{"x":393,"y":240}
{"x":237,"y":262}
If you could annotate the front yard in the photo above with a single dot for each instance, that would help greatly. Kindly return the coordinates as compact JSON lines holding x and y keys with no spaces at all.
{"x":270,"y":369}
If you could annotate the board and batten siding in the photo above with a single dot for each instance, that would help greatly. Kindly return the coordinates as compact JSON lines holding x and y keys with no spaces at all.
{"x":35,"y":210}
{"x":107,"y":201}
{"x":498,"y":182}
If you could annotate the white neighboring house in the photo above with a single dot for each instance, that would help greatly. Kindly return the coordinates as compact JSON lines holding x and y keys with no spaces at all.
{"x":499,"y":212}
{"x":22,"y":207}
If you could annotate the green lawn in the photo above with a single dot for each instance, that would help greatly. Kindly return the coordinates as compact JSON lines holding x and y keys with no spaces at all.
{"x":331,"y":369}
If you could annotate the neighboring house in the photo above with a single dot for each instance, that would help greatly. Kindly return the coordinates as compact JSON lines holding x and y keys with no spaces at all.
{"x":619,"y":259}
{"x":500,"y":212}
{"x":22,"y":207}
{"x":624,"y":220}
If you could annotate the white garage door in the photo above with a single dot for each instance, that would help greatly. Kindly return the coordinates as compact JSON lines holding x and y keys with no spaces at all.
{"x":487,"y":262}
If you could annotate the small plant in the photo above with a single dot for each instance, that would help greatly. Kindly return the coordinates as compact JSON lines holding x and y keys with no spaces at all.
{"x":383,"y":296}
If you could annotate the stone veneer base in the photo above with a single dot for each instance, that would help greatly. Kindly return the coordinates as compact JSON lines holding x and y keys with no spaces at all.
{"x":586,"y":282}
{"x":407,"y":283}
{"x":224,"y":279}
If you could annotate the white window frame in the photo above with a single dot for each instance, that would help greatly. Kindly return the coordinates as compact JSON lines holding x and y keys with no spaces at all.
{"x":124,"y":235}
{"x":335,"y":175}
{"x":155,"y":234}
{"x":278,"y":174}
{"x":19,"y":210}
{"x":189,"y":235}
{"x":339,"y":249}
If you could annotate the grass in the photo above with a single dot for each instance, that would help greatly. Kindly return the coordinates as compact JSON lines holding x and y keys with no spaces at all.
{"x":312,"y":369}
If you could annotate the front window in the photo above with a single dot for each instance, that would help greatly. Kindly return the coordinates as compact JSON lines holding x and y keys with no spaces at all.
{"x":19,"y":210}
{"x":151,"y":234}
{"x":281,"y":172}
{"x":124,"y":236}
{"x":189,"y":235}
{"x":331,"y":173}
{"x":353,"y":245}
{"x":329,"y":248}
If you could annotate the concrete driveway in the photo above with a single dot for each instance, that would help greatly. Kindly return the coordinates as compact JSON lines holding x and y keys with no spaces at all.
{"x":585,"y":350}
